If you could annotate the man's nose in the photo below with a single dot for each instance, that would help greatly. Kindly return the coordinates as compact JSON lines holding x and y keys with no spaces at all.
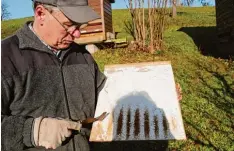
{"x":76,"y":33}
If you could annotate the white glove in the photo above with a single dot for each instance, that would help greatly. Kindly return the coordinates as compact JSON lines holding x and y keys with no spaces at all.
{"x":51,"y":132}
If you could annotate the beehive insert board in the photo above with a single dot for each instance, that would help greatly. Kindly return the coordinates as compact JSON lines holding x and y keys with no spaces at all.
{"x":142,"y":103}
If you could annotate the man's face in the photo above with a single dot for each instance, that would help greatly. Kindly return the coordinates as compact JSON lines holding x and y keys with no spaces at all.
{"x":60,"y":31}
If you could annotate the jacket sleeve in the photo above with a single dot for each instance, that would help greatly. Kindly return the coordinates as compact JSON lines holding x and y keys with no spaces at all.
{"x":16,"y":130}
{"x":100,"y":78}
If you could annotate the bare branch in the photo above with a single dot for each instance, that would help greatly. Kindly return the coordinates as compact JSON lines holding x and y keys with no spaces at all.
{"x":5,"y":14}
{"x":147,"y":27}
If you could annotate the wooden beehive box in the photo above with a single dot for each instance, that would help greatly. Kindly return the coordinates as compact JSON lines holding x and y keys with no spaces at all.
{"x":99,"y":30}
{"x":225,"y":26}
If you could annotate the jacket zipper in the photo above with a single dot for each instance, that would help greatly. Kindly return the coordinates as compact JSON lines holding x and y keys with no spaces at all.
{"x":65,"y":94}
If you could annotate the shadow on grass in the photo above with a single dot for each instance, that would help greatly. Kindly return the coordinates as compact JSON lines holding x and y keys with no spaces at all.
{"x":182,"y":13}
{"x":219,"y":99}
{"x":219,"y":93}
{"x":207,"y":41}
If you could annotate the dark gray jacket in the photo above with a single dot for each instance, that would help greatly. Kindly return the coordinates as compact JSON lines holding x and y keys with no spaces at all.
{"x":36,"y":83}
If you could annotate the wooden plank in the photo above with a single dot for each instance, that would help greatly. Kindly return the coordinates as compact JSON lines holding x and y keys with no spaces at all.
{"x":222,"y":3}
{"x":224,"y":31}
{"x":91,"y":31}
{"x":142,"y":64}
{"x":107,"y":17}
{"x":117,"y":41}
{"x":103,"y":21}
{"x":225,"y":20}
{"x":95,"y":21}
{"x":228,"y":10}
{"x":108,"y":23}
{"x":225,"y":23}
{"x":107,"y":2}
{"x":91,"y":34}
{"x":108,"y":26}
{"x":91,"y":1}
{"x":96,"y":6}
{"x":98,"y":28}
{"x":92,"y":27}
{"x":107,"y":7}
{"x":98,"y":10}
{"x":108,"y":29}
{"x":226,"y":14}
{"x":94,"y":2}
{"x":108,"y":11}
{"x":90,"y":39}
{"x":222,"y":9}
{"x":110,"y":1}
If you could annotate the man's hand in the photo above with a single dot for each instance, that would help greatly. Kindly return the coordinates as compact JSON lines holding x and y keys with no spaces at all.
{"x":51,"y":132}
{"x":179,"y":91}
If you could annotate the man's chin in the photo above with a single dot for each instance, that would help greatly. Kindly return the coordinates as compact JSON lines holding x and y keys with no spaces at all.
{"x":64,"y":46}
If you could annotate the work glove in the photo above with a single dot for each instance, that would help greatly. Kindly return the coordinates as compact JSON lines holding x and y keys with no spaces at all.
{"x":51,"y":132}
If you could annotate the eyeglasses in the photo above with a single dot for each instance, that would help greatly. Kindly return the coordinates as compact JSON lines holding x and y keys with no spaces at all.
{"x":70,"y":30}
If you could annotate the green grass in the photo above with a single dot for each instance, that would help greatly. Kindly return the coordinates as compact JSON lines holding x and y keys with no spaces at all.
{"x":11,"y":26}
{"x":207,"y":81}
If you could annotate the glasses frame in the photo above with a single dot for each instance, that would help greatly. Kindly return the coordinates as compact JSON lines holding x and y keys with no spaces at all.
{"x":77,"y":26}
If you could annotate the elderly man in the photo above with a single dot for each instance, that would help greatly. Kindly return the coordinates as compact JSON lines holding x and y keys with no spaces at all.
{"x":48,"y":81}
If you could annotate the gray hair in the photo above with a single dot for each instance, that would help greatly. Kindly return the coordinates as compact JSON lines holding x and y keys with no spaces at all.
{"x":50,"y":8}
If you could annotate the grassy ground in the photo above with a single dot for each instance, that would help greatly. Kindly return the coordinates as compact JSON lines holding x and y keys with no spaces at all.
{"x":10,"y":26}
{"x":207,"y":81}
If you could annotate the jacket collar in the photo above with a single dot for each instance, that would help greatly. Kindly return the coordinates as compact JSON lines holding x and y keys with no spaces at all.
{"x":27,"y":39}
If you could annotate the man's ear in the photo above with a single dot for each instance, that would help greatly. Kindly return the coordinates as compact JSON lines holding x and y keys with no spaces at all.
{"x":40,"y":13}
